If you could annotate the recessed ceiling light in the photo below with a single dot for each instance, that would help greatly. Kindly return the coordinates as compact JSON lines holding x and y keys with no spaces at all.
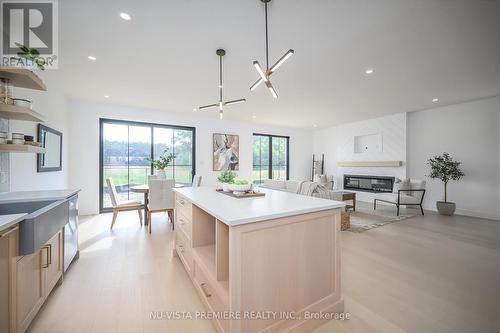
{"x":435,"y":100}
{"x":125,"y":16}
{"x":254,"y":117}
{"x":195,"y":109}
{"x":92,"y":58}
{"x":106,"y":96}
{"x":369,"y":71}
{"x":315,"y":125}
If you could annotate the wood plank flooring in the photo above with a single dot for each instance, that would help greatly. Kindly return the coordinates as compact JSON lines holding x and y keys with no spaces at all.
{"x":424,"y":274}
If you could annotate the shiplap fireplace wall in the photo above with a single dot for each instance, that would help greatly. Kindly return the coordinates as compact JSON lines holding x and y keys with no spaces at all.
{"x":373,"y":147}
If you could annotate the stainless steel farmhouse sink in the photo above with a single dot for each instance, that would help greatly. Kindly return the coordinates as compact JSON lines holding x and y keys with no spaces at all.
{"x":44,"y":219}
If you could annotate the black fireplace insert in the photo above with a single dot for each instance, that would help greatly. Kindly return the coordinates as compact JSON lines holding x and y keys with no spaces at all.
{"x":368,"y":183}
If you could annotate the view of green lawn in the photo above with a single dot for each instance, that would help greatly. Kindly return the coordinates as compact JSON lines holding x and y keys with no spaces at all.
{"x":139,"y":174}
{"x":258,"y":175}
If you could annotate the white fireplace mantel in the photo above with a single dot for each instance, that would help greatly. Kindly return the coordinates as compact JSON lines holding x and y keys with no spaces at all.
{"x":370,"y":163}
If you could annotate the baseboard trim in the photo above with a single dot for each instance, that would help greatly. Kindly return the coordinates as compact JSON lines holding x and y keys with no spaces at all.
{"x":459,"y":211}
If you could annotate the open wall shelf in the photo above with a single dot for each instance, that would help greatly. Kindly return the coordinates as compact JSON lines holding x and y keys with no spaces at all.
{"x":22,"y":78}
{"x":19,"y":113}
{"x":10,"y":148}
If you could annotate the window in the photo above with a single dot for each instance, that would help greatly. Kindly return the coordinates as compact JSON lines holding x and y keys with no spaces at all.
{"x":125,"y":147}
{"x":270,"y":157}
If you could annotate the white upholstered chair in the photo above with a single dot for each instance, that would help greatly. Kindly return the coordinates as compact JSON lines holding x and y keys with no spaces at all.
{"x":161,"y":198}
{"x":408,"y":192}
{"x":123,"y":205}
{"x":196,"y":181}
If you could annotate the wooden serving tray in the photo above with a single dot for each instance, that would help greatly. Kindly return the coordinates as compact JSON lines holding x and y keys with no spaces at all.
{"x":246,"y":195}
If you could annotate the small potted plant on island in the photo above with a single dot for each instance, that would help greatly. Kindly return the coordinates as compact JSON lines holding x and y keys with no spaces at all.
{"x":445,"y":168}
{"x":226,"y":177}
{"x":161,"y":163}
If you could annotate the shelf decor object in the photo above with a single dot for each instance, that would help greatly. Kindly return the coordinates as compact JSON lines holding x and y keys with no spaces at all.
{"x":221,"y":53}
{"x":265,"y":74}
{"x":370,"y":163}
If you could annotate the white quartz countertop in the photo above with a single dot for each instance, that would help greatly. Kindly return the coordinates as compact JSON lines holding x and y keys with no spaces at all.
{"x":27,"y":196}
{"x":7,"y":221}
{"x":237,"y":211}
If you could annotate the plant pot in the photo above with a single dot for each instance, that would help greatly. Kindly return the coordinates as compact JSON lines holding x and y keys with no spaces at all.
{"x":446,"y":208}
{"x":225,"y":187}
{"x":240,"y":188}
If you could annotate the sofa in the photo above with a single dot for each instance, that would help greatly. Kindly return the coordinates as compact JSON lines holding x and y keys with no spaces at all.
{"x":291,"y":186}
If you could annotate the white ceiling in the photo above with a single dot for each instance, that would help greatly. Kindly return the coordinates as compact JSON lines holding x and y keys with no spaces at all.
{"x":164,"y":58}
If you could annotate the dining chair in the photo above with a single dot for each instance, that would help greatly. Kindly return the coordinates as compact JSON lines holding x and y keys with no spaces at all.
{"x":196,"y":181}
{"x":161,"y":199}
{"x":122,"y":205}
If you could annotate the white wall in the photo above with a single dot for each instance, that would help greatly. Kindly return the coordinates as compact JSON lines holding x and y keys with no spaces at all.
{"x":84,"y":152}
{"x":337,"y":143}
{"x":470,"y":132}
{"x":23,"y":175}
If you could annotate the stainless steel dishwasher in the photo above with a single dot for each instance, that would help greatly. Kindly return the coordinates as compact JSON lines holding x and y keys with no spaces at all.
{"x":71,"y":233}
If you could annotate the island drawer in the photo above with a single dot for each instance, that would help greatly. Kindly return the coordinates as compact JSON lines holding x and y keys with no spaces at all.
{"x":184,"y":223}
{"x":184,"y":206}
{"x":183,"y":248}
{"x":209,"y":295}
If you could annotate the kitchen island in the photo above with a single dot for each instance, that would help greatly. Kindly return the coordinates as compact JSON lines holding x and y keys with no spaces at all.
{"x":267,"y":263}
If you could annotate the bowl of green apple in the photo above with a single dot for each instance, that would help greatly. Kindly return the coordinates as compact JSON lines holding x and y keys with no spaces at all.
{"x":240,"y":186}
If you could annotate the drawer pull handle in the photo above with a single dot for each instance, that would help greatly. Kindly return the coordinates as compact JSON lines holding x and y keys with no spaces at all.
{"x":46,"y":265}
{"x":207,"y":294}
{"x":181,"y":248}
{"x":50,"y":254}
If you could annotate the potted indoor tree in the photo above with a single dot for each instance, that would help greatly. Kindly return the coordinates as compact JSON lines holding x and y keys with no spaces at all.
{"x":226,"y":177}
{"x":443,"y":167}
{"x":161,"y":163}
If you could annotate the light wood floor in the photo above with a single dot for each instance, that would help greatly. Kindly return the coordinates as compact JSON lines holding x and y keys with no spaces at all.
{"x":425,"y":274}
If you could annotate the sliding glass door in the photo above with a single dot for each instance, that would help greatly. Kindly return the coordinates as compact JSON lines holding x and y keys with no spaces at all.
{"x":270,"y":157}
{"x":125,"y":147}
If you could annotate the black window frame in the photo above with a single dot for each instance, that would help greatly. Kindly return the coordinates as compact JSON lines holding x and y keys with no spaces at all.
{"x":270,"y":166}
{"x":103,"y":121}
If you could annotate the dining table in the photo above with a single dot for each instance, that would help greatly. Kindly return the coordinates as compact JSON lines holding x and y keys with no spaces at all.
{"x":144,"y":189}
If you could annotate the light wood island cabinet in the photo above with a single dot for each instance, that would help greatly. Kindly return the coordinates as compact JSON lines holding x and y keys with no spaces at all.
{"x":277,"y":256}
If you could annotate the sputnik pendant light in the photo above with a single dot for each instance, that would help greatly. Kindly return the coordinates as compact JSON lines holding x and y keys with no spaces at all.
{"x":221,"y":53}
{"x":265,"y":74}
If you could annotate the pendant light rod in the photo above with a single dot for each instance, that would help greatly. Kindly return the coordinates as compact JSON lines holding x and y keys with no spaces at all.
{"x":267,"y":38}
{"x":220,"y":53}
{"x":265,"y":74}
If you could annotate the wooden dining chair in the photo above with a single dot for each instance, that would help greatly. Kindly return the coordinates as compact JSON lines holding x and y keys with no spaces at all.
{"x":123,"y":205}
{"x":161,"y":199}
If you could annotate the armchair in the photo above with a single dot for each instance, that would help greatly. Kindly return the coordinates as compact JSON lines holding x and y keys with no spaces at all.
{"x":413,"y":196}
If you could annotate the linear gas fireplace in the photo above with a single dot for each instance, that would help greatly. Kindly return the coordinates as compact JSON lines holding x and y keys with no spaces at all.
{"x":368,"y":183}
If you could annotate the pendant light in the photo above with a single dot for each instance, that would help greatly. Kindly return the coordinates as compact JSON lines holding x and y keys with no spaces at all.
{"x":265,"y":74}
{"x":220,"y":104}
